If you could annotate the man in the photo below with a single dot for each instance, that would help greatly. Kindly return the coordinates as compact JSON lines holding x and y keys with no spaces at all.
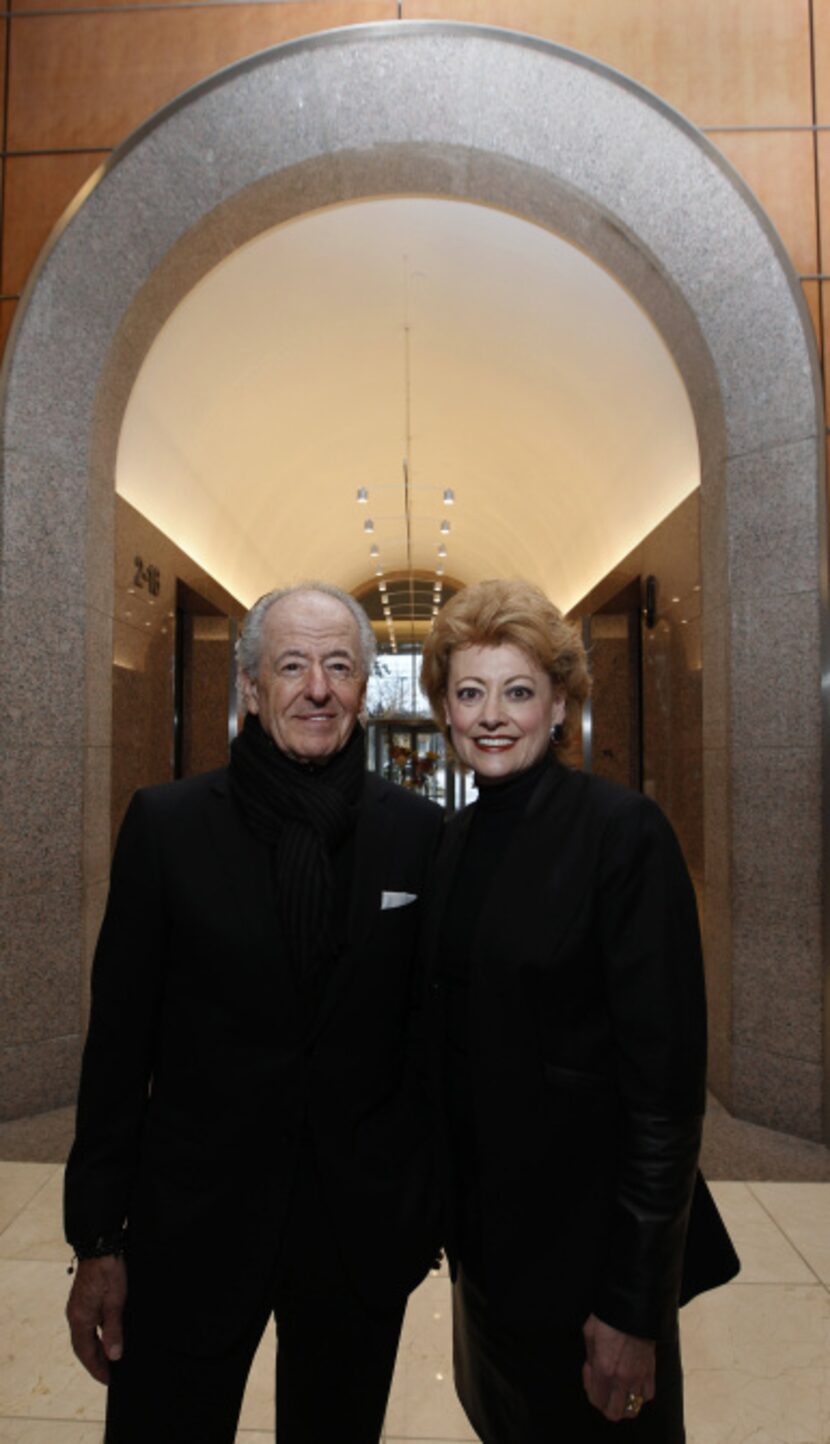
{"x":246,"y":1140}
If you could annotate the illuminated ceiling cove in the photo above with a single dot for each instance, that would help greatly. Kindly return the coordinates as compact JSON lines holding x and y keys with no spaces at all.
{"x":432,"y":342}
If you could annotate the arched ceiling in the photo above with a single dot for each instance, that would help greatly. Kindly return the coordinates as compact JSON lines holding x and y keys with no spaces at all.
{"x":455,"y":343}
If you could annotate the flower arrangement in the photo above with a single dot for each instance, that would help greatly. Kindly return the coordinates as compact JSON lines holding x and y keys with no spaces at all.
{"x":410,"y":768}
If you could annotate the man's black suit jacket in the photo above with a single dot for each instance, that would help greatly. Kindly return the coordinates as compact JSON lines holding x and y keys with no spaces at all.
{"x":201,"y":1079}
{"x":587,"y":1041}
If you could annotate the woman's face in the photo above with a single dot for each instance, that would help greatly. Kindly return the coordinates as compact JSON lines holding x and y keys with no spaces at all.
{"x":501,"y":707}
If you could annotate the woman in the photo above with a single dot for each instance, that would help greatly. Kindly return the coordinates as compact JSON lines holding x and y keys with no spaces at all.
{"x":568,"y":1050}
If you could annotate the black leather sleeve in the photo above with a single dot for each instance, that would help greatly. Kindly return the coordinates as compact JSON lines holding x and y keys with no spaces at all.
{"x":655,"y":991}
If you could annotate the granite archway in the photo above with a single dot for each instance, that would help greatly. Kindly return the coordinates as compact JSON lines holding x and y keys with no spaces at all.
{"x":508,"y":121}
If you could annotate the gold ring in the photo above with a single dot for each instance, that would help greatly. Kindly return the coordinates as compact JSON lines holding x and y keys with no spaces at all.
{"x":633,"y":1404}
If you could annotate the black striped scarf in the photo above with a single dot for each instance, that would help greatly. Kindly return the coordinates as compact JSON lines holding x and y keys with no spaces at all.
{"x":303,"y":811}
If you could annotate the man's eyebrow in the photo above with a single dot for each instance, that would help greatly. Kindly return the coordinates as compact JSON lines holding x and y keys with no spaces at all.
{"x":302,"y":652}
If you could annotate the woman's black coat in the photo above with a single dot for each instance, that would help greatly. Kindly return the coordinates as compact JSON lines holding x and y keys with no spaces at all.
{"x":587,"y":1043}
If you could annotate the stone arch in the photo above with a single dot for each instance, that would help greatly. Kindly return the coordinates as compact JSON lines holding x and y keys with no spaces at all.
{"x":510,"y":121}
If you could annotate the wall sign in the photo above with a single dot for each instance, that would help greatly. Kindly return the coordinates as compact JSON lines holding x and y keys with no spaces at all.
{"x":146,"y":576}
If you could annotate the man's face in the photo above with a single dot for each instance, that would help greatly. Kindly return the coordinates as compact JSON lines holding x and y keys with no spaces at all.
{"x":311,"y":683}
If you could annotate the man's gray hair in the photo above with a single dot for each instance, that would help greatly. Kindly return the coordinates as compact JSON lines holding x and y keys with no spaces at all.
{"x":249,"y":645}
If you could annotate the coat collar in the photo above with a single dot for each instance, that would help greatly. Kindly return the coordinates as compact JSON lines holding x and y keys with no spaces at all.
{"x":529,"y":873}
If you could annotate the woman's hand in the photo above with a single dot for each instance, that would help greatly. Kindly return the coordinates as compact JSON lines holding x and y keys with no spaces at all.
{"x":616,"y":1367}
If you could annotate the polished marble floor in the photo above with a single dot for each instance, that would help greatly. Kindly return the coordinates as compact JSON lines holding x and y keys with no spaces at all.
{"x":757,"y":1353}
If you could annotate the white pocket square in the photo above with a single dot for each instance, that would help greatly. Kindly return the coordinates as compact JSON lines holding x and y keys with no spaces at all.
{"x":396,"y":899}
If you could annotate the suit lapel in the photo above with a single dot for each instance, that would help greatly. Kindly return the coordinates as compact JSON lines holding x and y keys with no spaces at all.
{"x":245,"y":862}
{"x":374,"y":840}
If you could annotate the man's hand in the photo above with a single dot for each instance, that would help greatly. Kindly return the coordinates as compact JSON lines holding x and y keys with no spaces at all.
{"x":616,"y":1366}
{"x":94,"y":1309}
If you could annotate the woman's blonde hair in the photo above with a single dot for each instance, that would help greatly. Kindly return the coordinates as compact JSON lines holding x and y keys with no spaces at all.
{"x":490,"y":614}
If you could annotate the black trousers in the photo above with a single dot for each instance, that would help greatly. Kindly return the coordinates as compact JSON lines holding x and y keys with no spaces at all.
{"x":524,"y":1385}
{"x":335,"y":1357}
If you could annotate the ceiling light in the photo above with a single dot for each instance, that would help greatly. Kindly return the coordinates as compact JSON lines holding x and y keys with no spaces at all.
{"x":445,"y":526}
{"x":378,"y":571}
{"x":449,"y":496}
{"x":368,"y":525}
{"x":374,"y":550}
{"x":381,"y":586}
{"x":362,"y":494}
{"x":435,"y":611}
{"x":439,"y":571}
{"x":442,"y":550}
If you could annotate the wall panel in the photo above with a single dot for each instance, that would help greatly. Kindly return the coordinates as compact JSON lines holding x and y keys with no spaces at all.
{"x":103,"y":73}
{"x":778,"y":166}
{"x":821,"y":34}
{"x":38,"y":190}
{"x":823,"y":142}
{"x":4,"y":26}
{"x":720,"y":62}
{"x":825,"y":309}
{"x":7,"y":310}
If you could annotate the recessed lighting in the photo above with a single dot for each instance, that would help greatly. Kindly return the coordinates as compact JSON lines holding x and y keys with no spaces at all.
{"x":381,"y":586}
{"x":368,"y":525}
{"x":374,"y":550}
{"x":442,"y":550}
{"x":439,"y":571}
{"x":449,"y":496}
{"x":362,"y":494}
{"x":445,"y":526}
{"x":378,"y":571}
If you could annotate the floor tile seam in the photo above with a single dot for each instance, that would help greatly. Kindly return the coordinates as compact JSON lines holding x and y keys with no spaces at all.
{"x":58,"y":1419}
{"x":739,"y":1283}
{"x":793,"y":1245}
{"x":31,"y":1200}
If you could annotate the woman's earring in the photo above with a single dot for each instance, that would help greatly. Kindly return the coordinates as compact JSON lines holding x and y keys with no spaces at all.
{"x":556,"y":733}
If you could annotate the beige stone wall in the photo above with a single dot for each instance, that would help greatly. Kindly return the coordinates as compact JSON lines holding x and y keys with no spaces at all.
{"x":671,"y":675}
{"x":148,"y":570}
